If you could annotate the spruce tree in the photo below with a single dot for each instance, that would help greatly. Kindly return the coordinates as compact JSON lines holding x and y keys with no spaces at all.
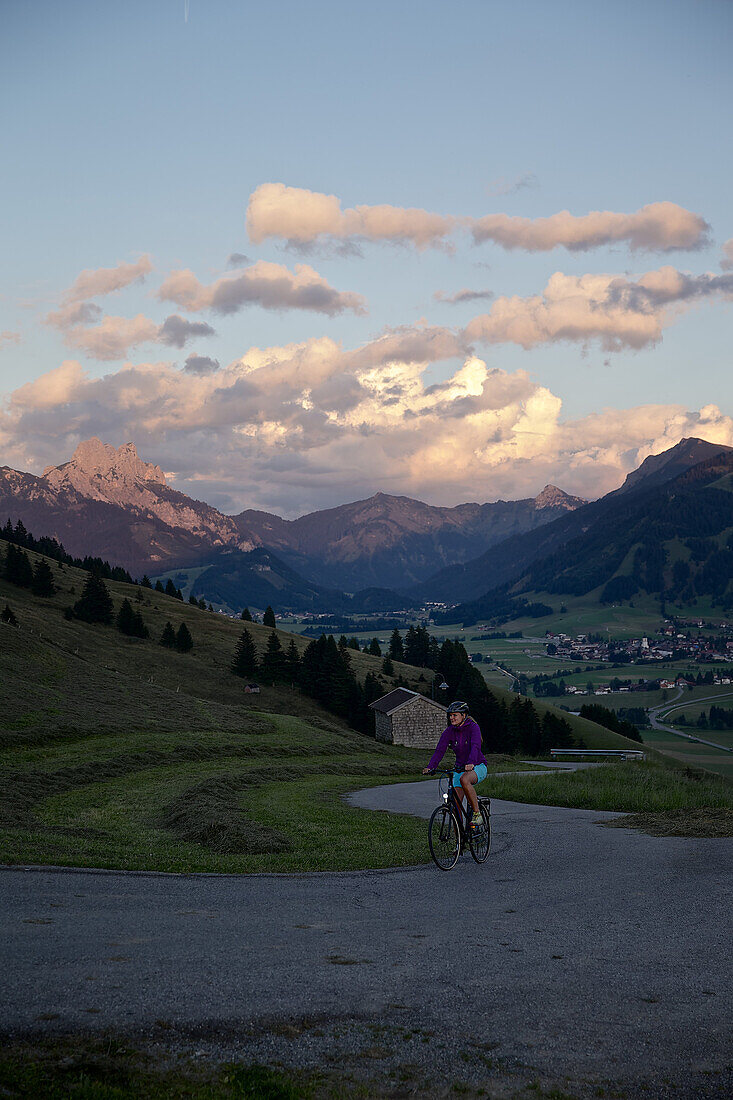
{"x":42,"y":584}
{"x":126,"y":618}
{"x":202,"y":604}
{"x":193,"y":601}
{"x":170,"y":589}
{"x":139,"y":629}
{"x":246,"y":615}
{"x":273,"y":659}
{"x":292,"y":661}
{"x":268,"y":619}
{"x":374,"y":648}
{"x":184,"y":641}
{"x":396,"y":649}
{"x":18,"y":569}
{"x":138,"y":594}
{"x":353,"y":643}
{"x":6,"y":615}
{"x":168,"y":637}
{"x":159,"y":587}
{"x":245,"y":656}
{"x":387,"y":666}
{"x":95,"y":604}
{"x":146,"y":582}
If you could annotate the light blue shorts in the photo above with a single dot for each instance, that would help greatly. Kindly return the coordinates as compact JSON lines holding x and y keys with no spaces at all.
{"x":481,"y":771}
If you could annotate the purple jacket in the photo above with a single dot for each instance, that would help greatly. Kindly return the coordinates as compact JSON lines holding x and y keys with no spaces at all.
{"x":465,"y":740}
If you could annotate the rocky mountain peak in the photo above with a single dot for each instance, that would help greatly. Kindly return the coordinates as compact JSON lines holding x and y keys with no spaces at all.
{"x":104,"y":472}
{"x":552,"y":497}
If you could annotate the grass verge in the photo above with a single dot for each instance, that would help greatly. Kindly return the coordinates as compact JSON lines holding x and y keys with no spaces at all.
{"x":643,"y":788}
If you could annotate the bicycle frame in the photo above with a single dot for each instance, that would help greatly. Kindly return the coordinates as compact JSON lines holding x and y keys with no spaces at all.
{"x":450,"y":815}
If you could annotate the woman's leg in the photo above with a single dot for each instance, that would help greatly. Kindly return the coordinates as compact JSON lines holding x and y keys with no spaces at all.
{"x":468,"y":780}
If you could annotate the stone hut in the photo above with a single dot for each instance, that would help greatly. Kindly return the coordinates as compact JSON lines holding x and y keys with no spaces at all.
{"x":404,"y":717}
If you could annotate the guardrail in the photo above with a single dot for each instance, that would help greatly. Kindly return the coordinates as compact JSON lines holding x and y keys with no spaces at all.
{"x":625,"y":754}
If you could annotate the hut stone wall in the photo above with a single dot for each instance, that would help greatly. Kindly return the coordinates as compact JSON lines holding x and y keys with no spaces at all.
{"x":417,"y":724}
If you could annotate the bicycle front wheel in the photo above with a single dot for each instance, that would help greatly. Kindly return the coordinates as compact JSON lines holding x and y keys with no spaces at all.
{"x":444,"y":838}
{"x":479,"y":840}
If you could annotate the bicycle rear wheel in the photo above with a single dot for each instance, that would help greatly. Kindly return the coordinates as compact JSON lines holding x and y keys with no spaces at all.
{"x":444,"y":838}
{"x":479,"y":840}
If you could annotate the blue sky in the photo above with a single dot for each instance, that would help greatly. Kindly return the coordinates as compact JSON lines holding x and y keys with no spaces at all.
{"x":131,"y":131}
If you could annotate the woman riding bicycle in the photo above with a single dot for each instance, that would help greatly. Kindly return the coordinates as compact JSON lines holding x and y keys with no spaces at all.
{"x":464,"y":737}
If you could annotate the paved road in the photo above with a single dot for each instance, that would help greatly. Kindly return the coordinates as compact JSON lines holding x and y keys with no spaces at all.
{"x":654,"y":713}
{"x":582,"y":951}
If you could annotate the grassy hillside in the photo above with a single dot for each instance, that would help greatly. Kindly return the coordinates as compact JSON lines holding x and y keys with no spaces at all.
{"x":116,"y":752}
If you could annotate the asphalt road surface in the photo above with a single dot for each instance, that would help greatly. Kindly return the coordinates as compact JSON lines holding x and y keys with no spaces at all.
{"x":583,"y":954}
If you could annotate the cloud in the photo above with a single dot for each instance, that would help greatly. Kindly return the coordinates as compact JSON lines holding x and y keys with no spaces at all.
{"x":503,"y":186}
{"x":615,"y":310}
{"x":74,"y":313}
{"x":237,"y":259}
{"x":660,"y":226}
{"x":116,"y":337}
{"x":8,"y":337}
{"x":727,"y":262}
{"x":303,"y":217}
{"x":269,"y":285}
{"x":93,"y":282}
{"x":201,"y":364}
{"x":302,"y":426}
{"x":462,"y":296}
{"x":176,"y":331}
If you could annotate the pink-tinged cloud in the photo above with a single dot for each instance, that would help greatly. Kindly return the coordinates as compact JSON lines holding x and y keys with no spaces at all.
{"x":660,"y":226}
{"x":116,"y":337}
{"x":93,"y":282}
{"x":265,"y":284}
{"x":286,"y":427}
{"x":727,"y":261}
{"x":304,"y":217}
{"x":7,"y":337}
{"x":612,"y":309}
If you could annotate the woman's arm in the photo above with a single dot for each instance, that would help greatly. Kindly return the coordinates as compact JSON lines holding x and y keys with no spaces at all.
{"x":440,"y":749}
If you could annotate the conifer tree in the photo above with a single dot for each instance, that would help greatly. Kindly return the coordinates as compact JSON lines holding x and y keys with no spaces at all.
{"x":273,"y":659}
{"x":146,"y":582}
{"x":387,"y":666}
{"x":245,"y":656}
{"x":184,"y":641}
{"x":95,"y":604}
{"x":6,"y":615}
{"x":268,"y":619}
{"x":18,"y":569}
{"x":138,"y":594}
{"x":246,"y":615}
{"x":292,"y":661}
{"x":353,"y":643}
{"x":170,"y":589}
{"x":139,"y":629}
{"x":193,"y":601}
{"x":42,"y":584}
{"x":396,"y":648}
{"x":159,"y":587}
{"x":168,"y":637}
{"x":202,"y":604}
{"x":374,"y":648}
{"x":126,"y":618}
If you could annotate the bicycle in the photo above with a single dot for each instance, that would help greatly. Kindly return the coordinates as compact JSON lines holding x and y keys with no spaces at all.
{"x":448,"y":830}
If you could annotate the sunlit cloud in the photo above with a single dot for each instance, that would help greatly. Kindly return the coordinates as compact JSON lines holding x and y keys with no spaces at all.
{"x":93,"y":282}
{"x":304,"y":218}
{"x":658,"y":227}
{"x":116,"y":337}
{"x":300,"y":426}
{"x":614,"y":310}
{"x":7,"y":337}
{"x":269,"y":285}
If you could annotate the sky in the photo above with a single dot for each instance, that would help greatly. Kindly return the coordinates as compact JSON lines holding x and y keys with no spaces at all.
{"x":299,"y":254}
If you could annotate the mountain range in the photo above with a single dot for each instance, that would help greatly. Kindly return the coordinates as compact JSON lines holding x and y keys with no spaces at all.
{"x":386,"y":551}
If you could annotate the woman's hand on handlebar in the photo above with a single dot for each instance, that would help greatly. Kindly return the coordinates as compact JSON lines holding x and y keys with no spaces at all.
{"x":428,"y":771}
